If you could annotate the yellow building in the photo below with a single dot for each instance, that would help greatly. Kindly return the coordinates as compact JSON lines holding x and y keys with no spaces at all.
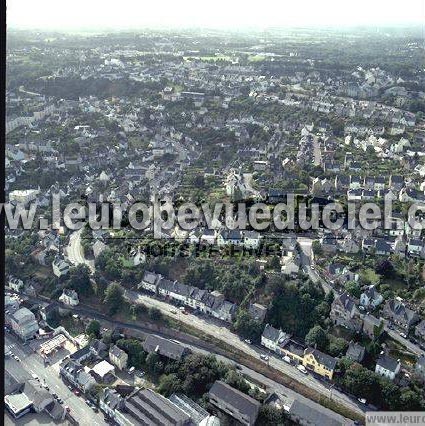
{"x":319,"y":362}
{"x":311,"y":358}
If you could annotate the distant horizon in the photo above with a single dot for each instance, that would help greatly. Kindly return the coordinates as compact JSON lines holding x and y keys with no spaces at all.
{"x":314,"y":28}
{"x":236,"y":15}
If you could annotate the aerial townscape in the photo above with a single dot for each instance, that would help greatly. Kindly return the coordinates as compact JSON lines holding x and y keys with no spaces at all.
{"x":213,"y":325}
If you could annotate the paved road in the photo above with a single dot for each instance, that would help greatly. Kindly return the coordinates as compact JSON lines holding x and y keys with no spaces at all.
{"x":221,"y":332}
{"x":33,"y":364}
{"x":75,"y":253}
{"x":307,"y":260}
{"x":317,"y":152}
{"x":278,"y":388}
{"x":406,"y":343}
{"x":270,"y":384}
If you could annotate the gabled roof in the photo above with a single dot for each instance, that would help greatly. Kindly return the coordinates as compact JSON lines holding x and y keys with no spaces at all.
{"x":347,"y":301}
{"x":271,"y":333}
{"x":388,"y":363}
{"x":164,"y":347}
{"x":116,"y":351}
{"x":322,"y":358}
{"x":241,"y":402}
{"x":355,"y":351}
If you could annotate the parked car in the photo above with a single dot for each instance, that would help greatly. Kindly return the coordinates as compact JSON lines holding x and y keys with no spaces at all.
{"x":362,"y":400}
{"x":403,"y":335}
{"x":247,"y":341}
{"x":301,"y":368}
{"x":264,"y":357}
{"x":287,"y":359}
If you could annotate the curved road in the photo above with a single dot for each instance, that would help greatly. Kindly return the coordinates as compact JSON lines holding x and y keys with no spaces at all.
{"x":75,"y":252}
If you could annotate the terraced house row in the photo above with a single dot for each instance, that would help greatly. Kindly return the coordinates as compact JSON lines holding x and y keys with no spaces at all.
{"x":211,"y":303}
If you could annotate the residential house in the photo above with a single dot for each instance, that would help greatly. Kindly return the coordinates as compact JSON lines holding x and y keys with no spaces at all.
{"x":383,"y":247}
{"x":355,"y":352}
{"x":60,"y":267}
{"x":103,"y":372}
{"x":109,"y":401}
{"x":321,"y":363}
{"x":118,"y":357}
{"x":311,"y":358}
{"x":235,"y":403}
{"x":24,"y":324}
{"x":292,"y":349}
{"x":370,"y":297}
{"x":251,"y":239}
{"x":69,"y":297}
{"x":272,"y":337}
{"x":416,"y":247}
{"x":387,"y":366}
{"x":98,"y":349}
{"x":164,"y":347}
{"x":372,"y":326}
{"x":150,"y":281}
{"x":15,"y":284}
{"x":257,"y":311}
{"x":208,"y":237}
{"x":345,"y":313}
{"x":73,"y":372}
{"x":230,"y":237}
{"x":403,"y":317}
{"x":82,"y":354}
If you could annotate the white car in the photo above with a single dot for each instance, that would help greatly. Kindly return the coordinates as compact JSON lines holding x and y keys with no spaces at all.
{"x":247,"y":341}
{"x":287,"y":359}
{"x":264,"y":357}
{"x":362,"y":400}
{"x":403,"y":335}
{"x":302,"y":369}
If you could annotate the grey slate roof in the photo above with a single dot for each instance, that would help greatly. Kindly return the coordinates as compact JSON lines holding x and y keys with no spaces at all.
{"x":271,"y":333}
{"x":355,"y":351}
{"x":242,"y":402}
{"x":323,"y":358}
{"x":164,"y":347}
{"x":312,"y":416}
{"x":387,"y":362}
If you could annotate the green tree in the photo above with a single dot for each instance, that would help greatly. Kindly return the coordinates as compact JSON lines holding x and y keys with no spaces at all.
{"x":93,"y":329}
{"x":114,"y":298}
{"x":79,"y":280}
{"x":154,"y":314}
{"x":353,"y":289}
{"x":247,"y":327}
{"x":169,"y":384}
{"x":134,"y":349}
{"x":317,"y":337}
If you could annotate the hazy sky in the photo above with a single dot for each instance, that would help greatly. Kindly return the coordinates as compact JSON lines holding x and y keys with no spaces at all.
{"x":93,"y":14}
